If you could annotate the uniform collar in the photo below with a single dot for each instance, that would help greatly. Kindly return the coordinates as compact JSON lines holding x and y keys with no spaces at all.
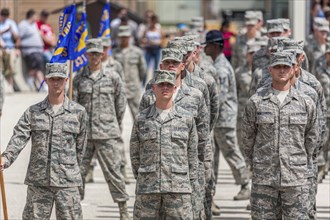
{"x":153,"y":113}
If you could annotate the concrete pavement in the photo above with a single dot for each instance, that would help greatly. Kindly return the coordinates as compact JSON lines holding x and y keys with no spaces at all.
{"x":98,"y":203}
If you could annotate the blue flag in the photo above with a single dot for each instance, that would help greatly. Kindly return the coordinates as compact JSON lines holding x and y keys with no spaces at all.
{"x":105,"y":22}
{"x":66,"y":43}
{"x":81,"y":35}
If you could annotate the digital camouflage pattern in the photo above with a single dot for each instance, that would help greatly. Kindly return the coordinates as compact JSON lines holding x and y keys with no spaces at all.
{"x":269,"y":202}
{"x":104,"y":100}
{"x":266,"y":143}
{"x":176,"y":138}
{"x":163,"y":206}
{"x":40,"y":201}
{"x":56,"y":70}
{"x":228,"y":95}
{"x":134,"y":65}
{"x":115,"y":66}
{"x":213,"y":94}
{"x":58,"y":144}
{"x":192,"y":101}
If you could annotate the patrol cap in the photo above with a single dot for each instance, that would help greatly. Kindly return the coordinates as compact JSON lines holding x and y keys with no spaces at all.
{"x":321,"y":24}
{"x":194,"y":38}
{"x":291,"y":45}
{"x":106,"y":41}
{"x":165,"y":76}
{"x":262,"y":41}
{"x":177,"y":44}
{"x":94,"y":45}
{"x":274,"y":25}
{"x":56,"y":70}
{"x":273,"y":42}
{"x":259,"y":15}
{"x":285,"y":23}
{"x":281,"y":58}
{"x":172,"y":54}
{"x":250,"y":18}
{"x":124,"y":31}
{"x":214,"y":36}
{"x":253,"y":47}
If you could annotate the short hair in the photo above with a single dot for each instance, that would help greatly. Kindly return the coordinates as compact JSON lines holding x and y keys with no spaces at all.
{"x":44,"y":13}
{"x":4,"y":12}
{"x":30,"y":13}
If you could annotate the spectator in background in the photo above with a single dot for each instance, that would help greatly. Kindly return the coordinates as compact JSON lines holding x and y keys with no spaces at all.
{"x":122,"y":19}
{"x":32,"y":49}
{"x":9,"y":46}
{"x":151,"y":41}
{"x":227,"y":34}
{"x":47,"y":35}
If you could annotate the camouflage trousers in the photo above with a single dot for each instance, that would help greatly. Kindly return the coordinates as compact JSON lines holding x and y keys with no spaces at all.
{"x":312,"y":186}
{"x":134,"y":104}
{"x":323,"y":156}
{"x":289,"y":203}
{"x":40,"y":201}
{"x":198,"y":193}
{"x":209,"y":188}
{"x":163,"y":206}
{"x":225,"y":140}
{"x":107,"y":152}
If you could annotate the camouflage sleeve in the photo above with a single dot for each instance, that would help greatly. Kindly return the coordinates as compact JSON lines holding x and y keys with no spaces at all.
{"x":120,"y":71}
{"x":75,"y":94}
{"x":249,"y":131}
{"x":214,"y":102}
{"x":135,"y":150}
{"x":325,"y":82}
{"x":192,"y":151}
{"x":256,"y":77}
{"x":234,"y":58}
{"x":145,"y":102}
{"x":312,"y":128}
{"x":2,"y":92}
{"x":81,"y":139}
{"x":22,"y":133}
{"x":323,"y":110}
{"x":142,"y":67}
{"x":120,"y":101}
{"x":202,"y":124}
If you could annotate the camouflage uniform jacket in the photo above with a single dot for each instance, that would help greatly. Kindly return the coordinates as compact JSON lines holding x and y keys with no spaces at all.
{"x":323,"y":75}
{"x":279,"y":139}
{"x":191,"y":100}
{"x":2,"y":91}
{"x":243,"y":81}
{"x":260,"y":78}
{"x":58,"y":143}
{"x":313,"y":51}
{"x":196,"y":82}
{"x":105,"y":101}
{"x":240,"y":51}
{"x":260,"y":59}
{"x":312,"y":81}
{"x":228,"y":95}
{"x":164,"y":153}
{"x":117,"y":67}
{"x":133,"y":63}
{"x":213,"y":94}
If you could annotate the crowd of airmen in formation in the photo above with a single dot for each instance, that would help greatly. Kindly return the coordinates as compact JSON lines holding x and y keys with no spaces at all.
{"x":266,"y":112}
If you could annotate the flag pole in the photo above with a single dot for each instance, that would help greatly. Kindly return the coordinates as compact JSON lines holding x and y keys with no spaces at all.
{"x":3,"y":191}
{"x":71,"y":73}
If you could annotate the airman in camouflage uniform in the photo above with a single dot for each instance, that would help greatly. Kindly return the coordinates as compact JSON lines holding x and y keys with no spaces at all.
{"x":164,"y":156}
{"x":225,"y":128}
{"x":192,"y":100}
{"x":242,"y":40}
{"x":280,"y":133}
{"x":115,"y":67}
{"x":58,"y":130}
{"x":315,"y":46}
{"x":323,"y":74}
{"x":102,"y":94}
{"x":261,"y":57}
{"x":243,"y":75}
{"x":132,"y":60}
